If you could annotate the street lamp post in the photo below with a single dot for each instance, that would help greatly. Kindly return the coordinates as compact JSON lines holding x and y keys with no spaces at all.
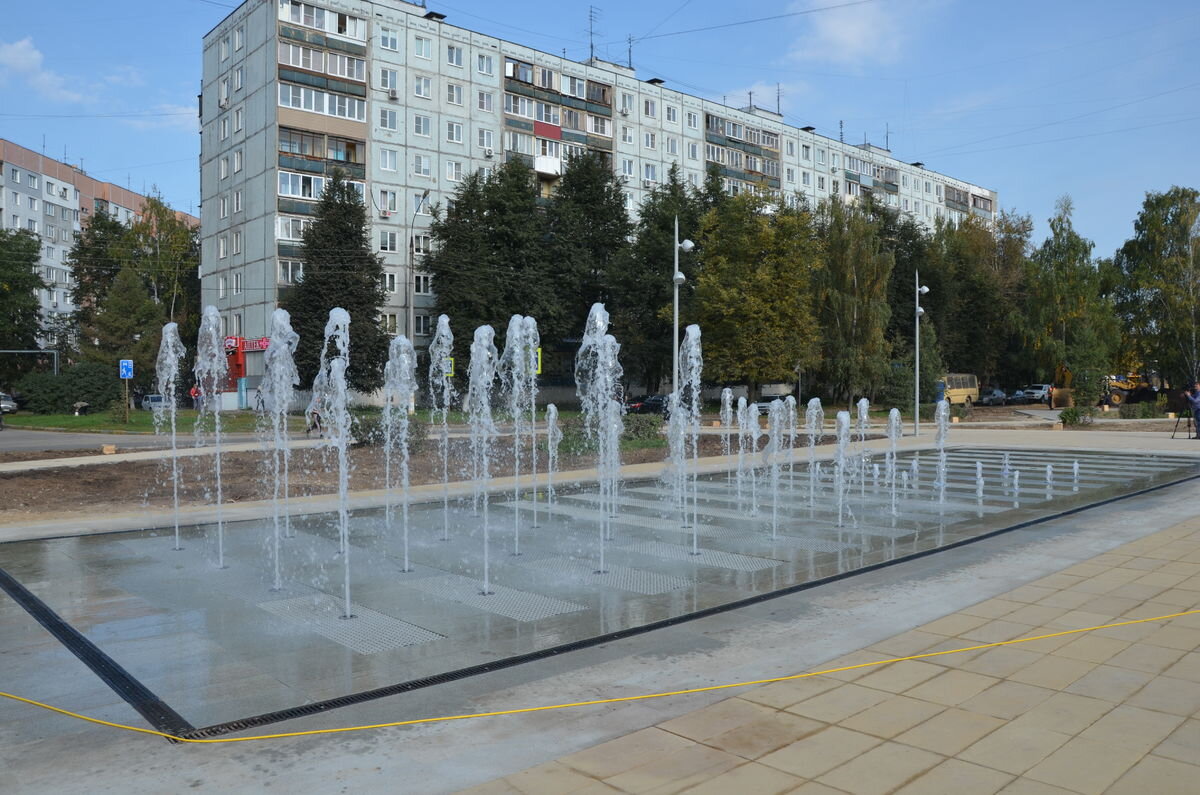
{"x":410,"y":277}
{"x":677,"y":279}
{"x":920,"y":290}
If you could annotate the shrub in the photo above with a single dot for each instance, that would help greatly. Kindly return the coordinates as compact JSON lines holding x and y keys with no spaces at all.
{"x":1148,"y":410}
{"x":367,"y":430}
{"x":89,"y":382}
{"x":1129,"y":411}
{"x":641,"y":427}
{"x":1077,"y":415}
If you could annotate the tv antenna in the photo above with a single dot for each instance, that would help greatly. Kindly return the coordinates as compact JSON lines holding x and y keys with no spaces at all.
{"x":593,"y":18}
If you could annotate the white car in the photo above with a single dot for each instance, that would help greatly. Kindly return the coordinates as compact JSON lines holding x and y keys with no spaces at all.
{"x":7,"y":404}
{"x":1037,"y":393}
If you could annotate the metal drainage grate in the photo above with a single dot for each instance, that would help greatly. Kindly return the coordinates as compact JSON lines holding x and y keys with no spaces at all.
{"x":623,"y":578}
{"x":504,"y":601}
{"x":807,"y":542}
{"x":368,"y":632}
{"x":707,"y":557}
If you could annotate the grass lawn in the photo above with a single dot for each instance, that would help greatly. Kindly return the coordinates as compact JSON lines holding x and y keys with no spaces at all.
{"x":140,"y":421}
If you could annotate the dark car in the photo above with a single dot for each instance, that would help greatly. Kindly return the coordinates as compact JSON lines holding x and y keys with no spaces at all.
{"x":647,"y":404}
{"x":993,"y":397}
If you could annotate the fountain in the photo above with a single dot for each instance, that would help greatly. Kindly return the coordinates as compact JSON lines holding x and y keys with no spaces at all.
{"x":691,"y":365}
{"x":814,"y":427}
{"x":895,"y":429}
{"x":553,"y":439}
{"x":533,"y":367}
{"x":676,"y":470}
{"x":777,"y":431}
{"x":790,"y":433}
{"x":481,"y":375}
{"x":842,"y":424}
{"x":742,"y":423}
{"x":170,"y":353}
{"x":279,"y":383}
{"x":517,"y":370}
{"x":1075,"y":475}
{"x":399,"y":388}
{"x":330,"y":400}
{"x":1016,"y":488}
{"x":979,"y":480}
{"x":1049,"y":481}
{"x":211,"y":374}
{"x":864,"y":455}
{"x":441,"y":396}
{"x":726,"y":420}
{"x":753,"y":432}
{"x":598,"y":384}
{"x":941,"y":419}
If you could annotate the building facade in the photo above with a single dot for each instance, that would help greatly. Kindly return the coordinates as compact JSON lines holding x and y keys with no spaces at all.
{"x":406,"y":104}
{"x":51,"y":199}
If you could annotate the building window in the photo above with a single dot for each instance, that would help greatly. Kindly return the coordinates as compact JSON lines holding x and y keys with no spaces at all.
{"x":518,"y":105}
{"x":454,"y":170}
{"x":387,"y":200}
{"x":422,"y":87}
{"x":548,"y":114}
{"x":693,"y":150}
{"x":673,"y":146}
{"x":421,"y":203}
{"x":387,"y":39}
{"x":672,"y":113}
{"x":346,"y":150}
{"x":454,"y":94}
{"x":600,"y":125}
{"x":422,"y":325}
{"x":485,"y":138}
{"x":484,"y":101}
{"x":422,"y":126}
{"x":239,"y":75}
{"x":576,"y":87}
{"x":220,"y":287}
{"x":486,"y":65}
{"x":15,"y":176}
{"x":626,"y":135}
{"x":224,"y":48}
{"x":237,"y":201}
{"x":389,"y":322}
{"x":387,"y":119}
{"x":454,"y":55}
{"x":389,"y":280}
{"x":693,"y":120}
{"x":301,"y":186}
{"x":237,"y":120}
{"x":237,"y":161}
{"x":650,"y":172}
{"x":820,"y":183}
{"x":821,"y":156}
{"x":423,"y":284}
{"x":223,"y":125}
{"x":301,"y":57}
{"x":454,"y":132}
{"x":237,"y":277}
{"x":387,"y":79}
{"x":290,"y":271}
{"x":290,"y":227}
{"x":806,"y":178}
{"x":222,"y":247}
{"x":650,"y":141}
{"x":223,"y":203}
{"x":422,"y":244}
{"x":422,"y":47}
{"x":548,"y":148}
{"x":421,"y":165}
{"x":301,"y":143}
{"x":544,"y":78}
{"x":627,"y":169}
{"x":387,"y":159}
{"x":239,"y":38}
{"x":387,"y":241}
{"x":650,"y":108}
{"x":33,"y":204}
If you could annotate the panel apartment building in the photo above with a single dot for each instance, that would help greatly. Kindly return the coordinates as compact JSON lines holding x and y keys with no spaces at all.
{"x":406,"y":104}
{"x":50,"y":198}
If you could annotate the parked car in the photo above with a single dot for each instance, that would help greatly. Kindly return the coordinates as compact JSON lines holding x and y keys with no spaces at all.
{"x":647,"y":404}
{"x":1037,"y":393}
{"x":150,"y":402}
{"x":993,"y":397}
{"x":7,"y":404}
{"x":1017,"y":397}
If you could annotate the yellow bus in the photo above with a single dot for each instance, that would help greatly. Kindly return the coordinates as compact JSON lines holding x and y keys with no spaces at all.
{"x":961,"y":388}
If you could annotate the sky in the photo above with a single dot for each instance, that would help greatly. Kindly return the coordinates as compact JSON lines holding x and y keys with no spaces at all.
{"x":1095,"y":99}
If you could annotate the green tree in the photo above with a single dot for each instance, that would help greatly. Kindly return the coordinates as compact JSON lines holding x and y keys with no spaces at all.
{"x":1158,"y":297}
{"x":166,"y":251}
{"x":19,"y":309}
{"x":128,"y":325}
{"x":95,"y":259}
{"x":341,"y":269}
{"x":753,"y":295}
{"x":489,"y":262}
{"x":852,"y":299}
{"x":586,"y":235}
{"x":641,"y":286}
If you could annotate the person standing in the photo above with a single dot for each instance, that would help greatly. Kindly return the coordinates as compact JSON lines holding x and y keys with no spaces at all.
{"x":194,"y":392}
{"x":1193,"y":398}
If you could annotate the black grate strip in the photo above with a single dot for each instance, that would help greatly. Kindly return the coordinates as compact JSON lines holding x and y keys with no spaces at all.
{"x":319,"y":707}
{"x":156,"y":711}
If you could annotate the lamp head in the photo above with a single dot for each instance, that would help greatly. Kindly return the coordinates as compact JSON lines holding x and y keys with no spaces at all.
{"x":679,"y":278}
{"x":686,"y":245}
{"x":923,"y":290}
{"x":920,"y":311}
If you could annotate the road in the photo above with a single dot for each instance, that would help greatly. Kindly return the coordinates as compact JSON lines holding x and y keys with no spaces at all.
{"x":13,"y":440}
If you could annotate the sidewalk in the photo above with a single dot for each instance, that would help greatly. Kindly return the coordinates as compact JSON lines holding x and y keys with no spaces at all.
{"x":1112,"y":710}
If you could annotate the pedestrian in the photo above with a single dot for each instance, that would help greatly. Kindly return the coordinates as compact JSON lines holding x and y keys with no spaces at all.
{"x":1192,"y":396}
{"x":314,"y":418}
{"x":260,"y":406}
{"x":195,"y":394}
{"x":1049,"y":396}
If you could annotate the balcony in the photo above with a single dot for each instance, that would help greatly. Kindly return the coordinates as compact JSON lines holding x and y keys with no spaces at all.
{"x":543,"y":164}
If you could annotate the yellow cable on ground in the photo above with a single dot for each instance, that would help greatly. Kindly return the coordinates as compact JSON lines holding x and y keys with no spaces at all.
{"x":594,"y":702}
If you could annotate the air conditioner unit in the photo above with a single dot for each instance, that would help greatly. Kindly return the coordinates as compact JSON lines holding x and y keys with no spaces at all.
{"x":62,"y":193}
{"x":488,"y":151}
{"x":385,"y":213}
{"x":624,"y":111}
{"x":54,"y":303}
{"x":223,"y":103}
{"x":649,"y":184}
{"x":393,"y":93}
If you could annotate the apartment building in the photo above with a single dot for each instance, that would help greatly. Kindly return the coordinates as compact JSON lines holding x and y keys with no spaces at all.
{"x":51,"y":199}
{"x":406,"y":104}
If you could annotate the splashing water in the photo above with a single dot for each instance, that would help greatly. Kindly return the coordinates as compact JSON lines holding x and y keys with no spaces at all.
{"x":598,"y":384}
{"x":777,"y":431}
{"x":942,"y":419}
{"x":280,"y":380}
{"x":894,"y":429}
{"x":533,"y":341}
{"x":211,"y":375}
{"x":399,"y":387}
{"x":676,"y":469}
{"x":979,"y":480}
{"x":814,"y":427}
{"x":170,"y":352}
{"x":726,"y":421}
{"x":1049,"y":480}
{"x":481,"y":375}
{"x":753,"y":432}
{"x":441,"y":396}
{"x":553,"y":439}
{"x":740,"y":477}
{"x":839,"y":465}
{"x":790,"y":433}
{"x":516,"y":370}
{"x":864,"y":424}
{"x":330,"y":402}
{"x":691,"y":366}
{"x":1075,"y":476}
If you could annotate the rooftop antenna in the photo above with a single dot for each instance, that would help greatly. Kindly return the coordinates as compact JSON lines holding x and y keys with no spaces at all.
{"x":841,"y":131}
{"x":629,"y":41}
{"x":751,"y":93}
{"x":779,"y":98}
{"x":887,"y":137}
{"x":593,"y":16}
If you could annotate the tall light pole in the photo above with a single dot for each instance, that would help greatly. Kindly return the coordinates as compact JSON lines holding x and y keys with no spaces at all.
{"x":677,"y":279}
{"x":920,"y":291}
{"x":410,"y":276}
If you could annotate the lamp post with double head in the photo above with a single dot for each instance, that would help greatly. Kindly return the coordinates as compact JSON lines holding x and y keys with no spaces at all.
{"x":920,"y":291}
{"x":677,"y":279}
{"x":410,"y":277}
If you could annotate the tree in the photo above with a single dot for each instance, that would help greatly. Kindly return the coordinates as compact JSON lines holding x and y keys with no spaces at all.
{"x":19,"y":309}
{"x":95,"y":259}
{"x":753,"y":295}
{"x":488,"y":261}
{"x":1159,"y":296}
{"x":851,"y":296}
{"x":166,"y":252}
{"x":341,"y":269}
{"x":128,"y":325}
{"x":641,"y":286}
{"x":587,"y":234}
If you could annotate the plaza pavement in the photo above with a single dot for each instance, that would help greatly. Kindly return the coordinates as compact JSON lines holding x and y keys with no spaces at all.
{"x":1112,"y":709}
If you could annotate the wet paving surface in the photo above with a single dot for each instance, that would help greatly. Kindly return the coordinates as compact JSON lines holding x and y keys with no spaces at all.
{"x":218,"y":644}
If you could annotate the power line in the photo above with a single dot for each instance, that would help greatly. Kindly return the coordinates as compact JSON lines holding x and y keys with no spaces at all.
{"x":759,"y":19}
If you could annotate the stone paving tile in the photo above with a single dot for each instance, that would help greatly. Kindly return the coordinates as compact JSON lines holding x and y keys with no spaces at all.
{"x":1065,"y":712}
{"x":676,"y":771}
{"x":765,"y":734}
{"x":1131,"y":727}
{"x":905,"y":644}
{"x":1001,"y":662}
{"x":855,"y":658}
{"x":1007,"y":699}
{"x":898,"y":677}
{"x":1108,"y":682}
{"x":820,"y":752}
{"x":1027,"y":786}
{"x":888,"y":718}
{"x":1188,"y":667}
{"x":751,"y":779}
{"x":882,"y":769}
{"x":992,"y":608}
{"x":1174,"y":696}
{"x":950,"y":732}
{"x":1092,"y":648}
{"x":952,"y":687}
{"x":623,"y":753}
{"x":839,"y":703}
{"x":1159,"y":776}
{"x":1085,"y":765}
{"x":1014,"y":749}
{"x":998,"y":630}
{"x":954,"y":624}
{"x":1052,"y":672}
{"x":781,"y":695}
{"x":548,"y":779}
{"x":706,"y":722}
{"x":955,"y":776}
{"x":1183,"y":744}
{"x":1150,"y":659}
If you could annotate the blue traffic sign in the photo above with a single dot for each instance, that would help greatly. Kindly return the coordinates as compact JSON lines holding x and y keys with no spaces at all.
{"x":127,"y":368}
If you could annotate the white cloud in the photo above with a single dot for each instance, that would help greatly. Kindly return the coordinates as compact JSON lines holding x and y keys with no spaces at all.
{"x":22,"y":61}
{"x":870,"y":33}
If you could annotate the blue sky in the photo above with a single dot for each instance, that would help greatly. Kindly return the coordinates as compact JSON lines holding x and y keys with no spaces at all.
{"x":1097,"y":99}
